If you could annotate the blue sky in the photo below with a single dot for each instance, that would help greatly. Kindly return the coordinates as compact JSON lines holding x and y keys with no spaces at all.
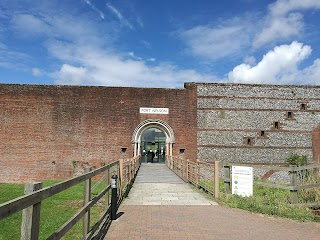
{"x":151,"y":43}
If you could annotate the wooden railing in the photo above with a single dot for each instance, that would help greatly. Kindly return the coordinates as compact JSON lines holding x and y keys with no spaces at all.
{"x":201,"y":174}
{"x":206,"y":176}
{"x":30,"y":203}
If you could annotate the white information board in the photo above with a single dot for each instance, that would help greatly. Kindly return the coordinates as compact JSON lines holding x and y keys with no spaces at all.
{"x":242,"y":181}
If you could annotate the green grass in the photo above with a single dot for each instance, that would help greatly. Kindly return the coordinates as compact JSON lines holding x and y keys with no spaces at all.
{"x":55,"y":211}
{"x":266,"y":200}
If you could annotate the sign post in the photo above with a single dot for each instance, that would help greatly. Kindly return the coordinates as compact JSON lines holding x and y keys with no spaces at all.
{"x":242,"y":181}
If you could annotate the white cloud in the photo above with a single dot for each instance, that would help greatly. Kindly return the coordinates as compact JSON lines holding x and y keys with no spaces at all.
{"x":37,"y":72}
{"x":250,"y":60}
{"x":30,"y":25}
{"x":73,"y":75}
{"x":284,"y":20}
{"x":279,"y":28}
{"x":97,"y":67}
{"x":214,"y":42}
{"x":279,"y":66}
{"x":94,"y":8}
{"x":118,"y":14}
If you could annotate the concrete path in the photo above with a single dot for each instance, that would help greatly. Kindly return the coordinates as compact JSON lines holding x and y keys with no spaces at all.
{"x":156,"y":184}
{"x":153,"y":212}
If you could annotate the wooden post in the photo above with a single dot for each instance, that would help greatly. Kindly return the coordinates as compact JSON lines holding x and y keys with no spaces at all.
{"x":293,"y":183}
{"x":188,"y":170}
{"x":227,"y":179}
{"x":107,"y":184}
{"x":87,"y":195}
{"x":216,"y":179}
{"x":31,"y":215}
{"x":120,"y":177}
{"x":197,"y":174}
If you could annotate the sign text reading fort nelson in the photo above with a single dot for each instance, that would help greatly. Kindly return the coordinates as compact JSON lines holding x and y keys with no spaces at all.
{"x":154,"y":110}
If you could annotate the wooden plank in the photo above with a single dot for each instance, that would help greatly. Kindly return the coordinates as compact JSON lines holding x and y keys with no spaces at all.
{"x":309,"y":166}
{"x":105,"y":217}
{"x":273,"y":185}
{"x":305,"y":205}
{"x":18,"y":204}
{"x":300,"y":187}
{"x":86,"y":196}
{"x":274,"y":167}
{"x":76,"y":218}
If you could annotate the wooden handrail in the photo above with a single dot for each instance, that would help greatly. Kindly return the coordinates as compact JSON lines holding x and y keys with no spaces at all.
{"x":16,"y":205}
{"x":34,"y":198}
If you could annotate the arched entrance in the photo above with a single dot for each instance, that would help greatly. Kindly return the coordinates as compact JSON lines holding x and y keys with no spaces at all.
{"x":160,"y":128}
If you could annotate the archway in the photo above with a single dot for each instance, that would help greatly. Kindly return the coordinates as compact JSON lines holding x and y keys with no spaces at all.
{"x":156,"y":124}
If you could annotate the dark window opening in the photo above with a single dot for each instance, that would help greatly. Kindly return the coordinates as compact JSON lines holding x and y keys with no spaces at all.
{"x":276,"y":125}
{"x":248,"y":141}
{"x":182,"y":150}
{"x":123,"y":149}
{"x":262,"y":134}
{"x":303,"y":106}
{"x":289,"y":114}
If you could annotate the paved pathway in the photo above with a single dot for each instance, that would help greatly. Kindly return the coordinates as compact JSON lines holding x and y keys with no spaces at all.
{"x":158,"y":216}
{"x":158,"y":185}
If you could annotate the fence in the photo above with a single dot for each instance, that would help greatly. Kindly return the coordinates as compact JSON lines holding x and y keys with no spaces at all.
{"x":201,"y":174}
{"x":30,"y":204}
{"x":206,"y":176}
{"x":300,"y":178}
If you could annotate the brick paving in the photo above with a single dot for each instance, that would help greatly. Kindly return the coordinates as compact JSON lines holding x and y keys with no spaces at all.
{"x":204,"y":222}
{"x":161,"y":206}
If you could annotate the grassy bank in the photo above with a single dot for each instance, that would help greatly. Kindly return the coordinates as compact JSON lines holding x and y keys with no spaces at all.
{"x":269,"y":201}
{"x":55,"y":211}
{"x":266,"y":200}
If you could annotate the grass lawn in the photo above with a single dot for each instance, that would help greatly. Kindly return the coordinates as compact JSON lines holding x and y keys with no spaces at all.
{"x":265,"y":200}
{"x":55,"y":211}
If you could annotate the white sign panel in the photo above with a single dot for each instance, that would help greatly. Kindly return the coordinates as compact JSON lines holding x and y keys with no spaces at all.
{"x":242,"y":181}
{"x":154,"y":110}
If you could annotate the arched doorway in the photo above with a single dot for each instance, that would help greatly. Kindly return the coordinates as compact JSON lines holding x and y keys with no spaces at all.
{"x":153,"y":146}
{"x":159,"y":130}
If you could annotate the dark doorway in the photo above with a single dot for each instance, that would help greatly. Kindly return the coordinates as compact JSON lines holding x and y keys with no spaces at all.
{"x":153,"y":146}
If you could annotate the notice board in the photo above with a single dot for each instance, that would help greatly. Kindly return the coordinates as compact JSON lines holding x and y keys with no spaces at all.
{"x":242,"y":181}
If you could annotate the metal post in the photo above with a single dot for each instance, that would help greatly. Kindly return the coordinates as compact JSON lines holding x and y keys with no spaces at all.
{"x":114,"y":196}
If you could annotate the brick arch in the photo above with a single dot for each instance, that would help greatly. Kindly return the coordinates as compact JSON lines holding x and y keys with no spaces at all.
{"x":152,"y":123}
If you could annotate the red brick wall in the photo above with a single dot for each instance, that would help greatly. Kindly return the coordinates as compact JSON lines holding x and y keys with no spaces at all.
{"x":51,"y":132}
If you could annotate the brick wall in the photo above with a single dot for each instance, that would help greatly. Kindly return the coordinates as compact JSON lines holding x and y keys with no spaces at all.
{"x":54,"y":131}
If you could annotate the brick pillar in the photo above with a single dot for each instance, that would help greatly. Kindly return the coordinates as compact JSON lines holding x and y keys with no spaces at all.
{"x":316,"y":144}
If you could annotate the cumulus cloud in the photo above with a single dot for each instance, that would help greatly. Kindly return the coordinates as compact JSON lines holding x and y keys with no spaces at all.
{"x":279,"y":66}
{"x":284,"y":20}
{"x":74,"y":75}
